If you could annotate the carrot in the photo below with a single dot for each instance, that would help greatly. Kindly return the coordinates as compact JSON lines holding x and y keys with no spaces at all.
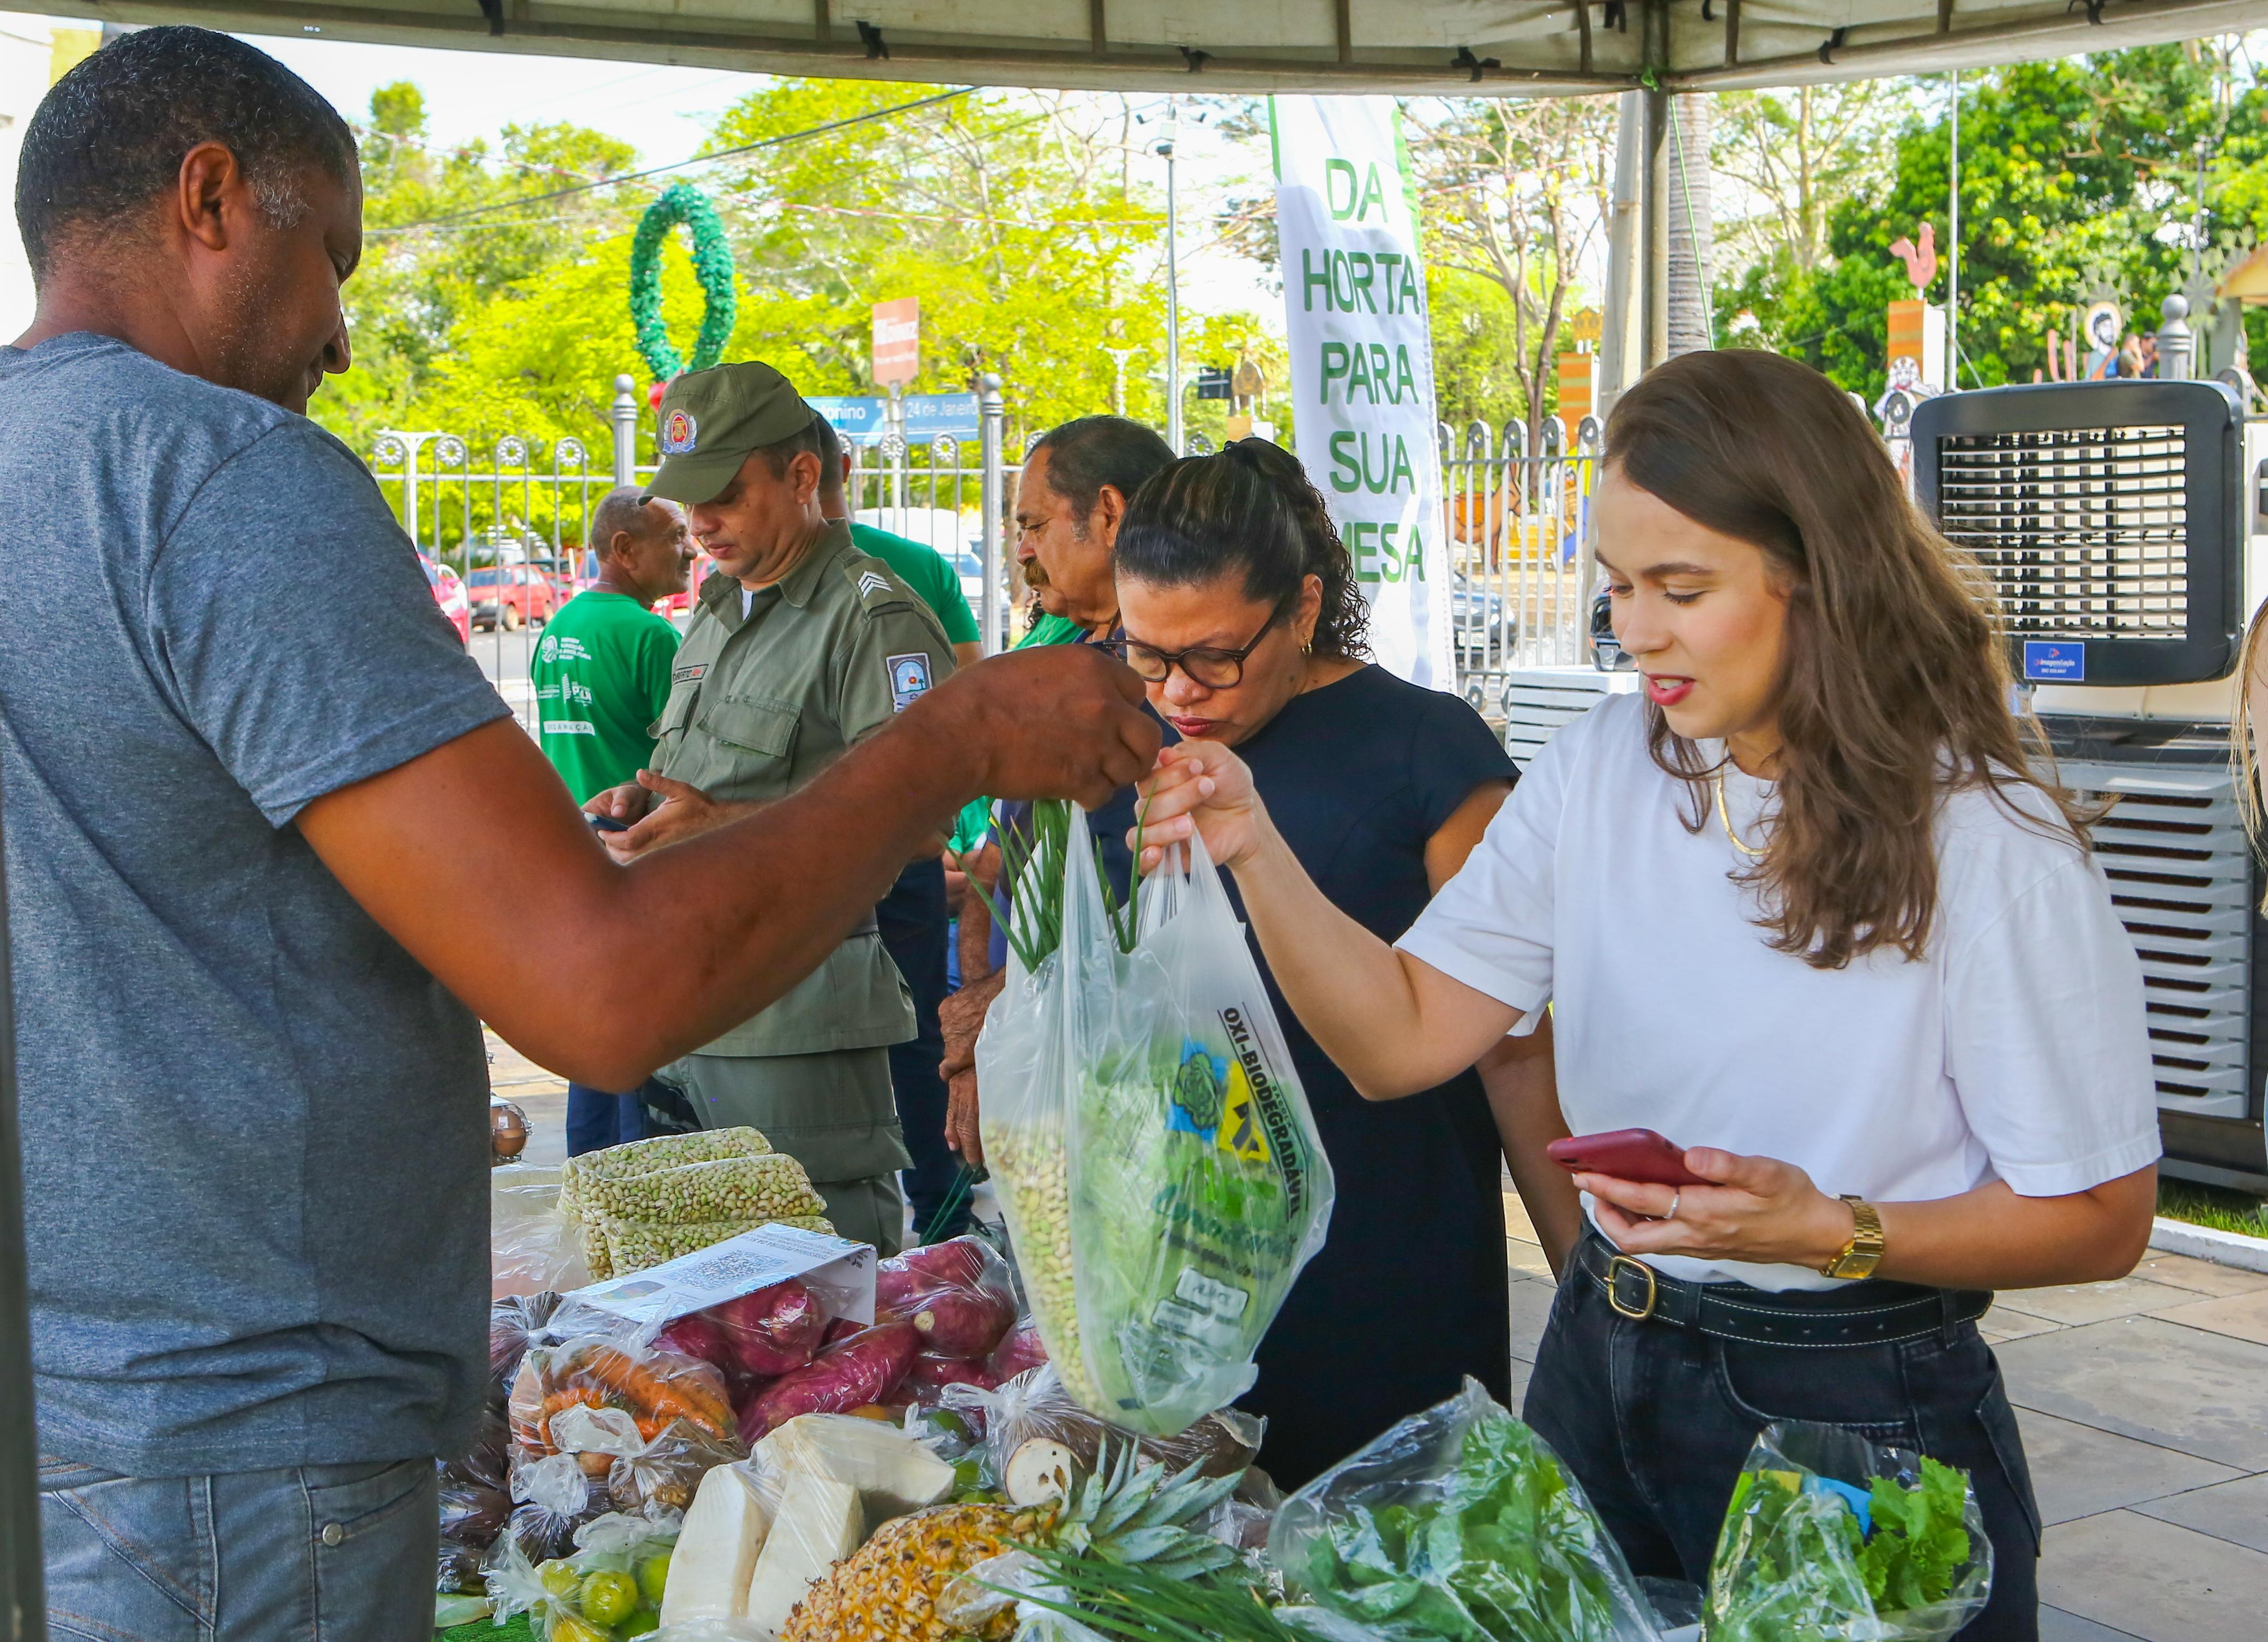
{"x":681,"y":1397}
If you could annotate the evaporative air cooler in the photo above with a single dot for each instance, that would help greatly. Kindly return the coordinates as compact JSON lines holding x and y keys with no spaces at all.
{"x":2117,"y":525}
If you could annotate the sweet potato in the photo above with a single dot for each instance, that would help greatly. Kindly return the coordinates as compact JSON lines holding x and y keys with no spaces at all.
{"x":865,"y":1368}
{"x":930,"y":1375}
{"x":962,"y":1322}
{"x":844,"y":1328}
{"x":775,"y":1331}
{"x":700,"y":1335}
{"x":964,"y":1262}
{"x":1018,"y":1352}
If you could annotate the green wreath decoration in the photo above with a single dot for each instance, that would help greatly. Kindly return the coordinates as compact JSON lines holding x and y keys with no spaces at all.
{"x":712,"y":266}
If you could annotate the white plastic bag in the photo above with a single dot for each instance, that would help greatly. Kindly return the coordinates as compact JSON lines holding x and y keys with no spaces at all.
{"x":1154,"y":1149}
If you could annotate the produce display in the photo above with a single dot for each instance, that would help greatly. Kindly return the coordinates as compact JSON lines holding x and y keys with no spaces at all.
{"x":1152,"y":1146}
{"x":647,"y":1201}
{"x":1458,"y":1523}
{"x":1830,"y":1536}
{"x":655,"y":1388}
{"x":608,"y":1587}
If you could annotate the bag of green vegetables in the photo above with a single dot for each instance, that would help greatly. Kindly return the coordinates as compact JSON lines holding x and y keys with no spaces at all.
{"x":1153,"y":1152}
{"x":1831,"y":1538}
{"x":1458,"y":1523}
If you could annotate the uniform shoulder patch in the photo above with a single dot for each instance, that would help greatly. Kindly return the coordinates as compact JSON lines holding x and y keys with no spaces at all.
{"x":909,"y":679}
{"x":873,"y":585}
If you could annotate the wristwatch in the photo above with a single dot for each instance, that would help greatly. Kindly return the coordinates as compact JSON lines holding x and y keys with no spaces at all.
{"x":1864,"y":1252}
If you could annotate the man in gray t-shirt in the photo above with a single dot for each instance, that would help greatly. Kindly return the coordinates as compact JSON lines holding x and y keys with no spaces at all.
{"x":273,"y":848}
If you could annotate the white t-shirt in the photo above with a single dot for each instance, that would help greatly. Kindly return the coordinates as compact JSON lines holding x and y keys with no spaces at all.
{"x":2015,"y":1048}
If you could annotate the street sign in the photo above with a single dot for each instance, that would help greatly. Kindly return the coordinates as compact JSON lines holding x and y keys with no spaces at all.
{"x":864,"y":421}
{"x":1213,"y":382}
{"x":897,"y":342}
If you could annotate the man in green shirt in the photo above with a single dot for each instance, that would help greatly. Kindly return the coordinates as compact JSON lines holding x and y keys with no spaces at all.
{"x":800,"y":646}
{"x":601,"y":673}
{"x":922,"y":569}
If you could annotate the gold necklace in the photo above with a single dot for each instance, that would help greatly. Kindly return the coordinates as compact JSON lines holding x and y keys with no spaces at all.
{"x":1751,"y":851}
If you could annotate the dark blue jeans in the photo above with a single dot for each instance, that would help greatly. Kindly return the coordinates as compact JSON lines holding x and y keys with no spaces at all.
{"x":1655,"y":1422}
{"x":597,"y":1120}
{"x":912,"y":917}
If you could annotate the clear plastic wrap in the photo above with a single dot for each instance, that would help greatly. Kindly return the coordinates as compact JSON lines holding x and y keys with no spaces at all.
{"x":1829,"y":1537}
{"x":534,"y":1243}
{"x":1035,"y":1407}
{"x":859,"y":1371}
{"x":652,"y":1385}
{"x":1153,"y":1148}
{"x":1460,"y":1522}
{"x":960,"y":1293}
{"x":605,"y":1586}
{"x":475,"y":1505}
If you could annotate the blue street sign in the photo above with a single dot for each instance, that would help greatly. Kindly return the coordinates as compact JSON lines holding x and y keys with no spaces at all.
{"x":2064,"y":661}
{"x":864,"y":421}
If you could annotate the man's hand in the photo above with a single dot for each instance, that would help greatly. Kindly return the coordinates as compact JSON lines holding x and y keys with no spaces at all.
{"x":962,"y":1017}
{"x":625,"y":803}
{"x":1060,"y":721}
{"x":679,"y":812}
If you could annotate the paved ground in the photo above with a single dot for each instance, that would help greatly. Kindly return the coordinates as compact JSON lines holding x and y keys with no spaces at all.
{"x":2144,"y":1405}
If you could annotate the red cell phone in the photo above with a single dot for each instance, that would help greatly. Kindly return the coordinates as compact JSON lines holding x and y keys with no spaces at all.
{"x":1637,"y":1155}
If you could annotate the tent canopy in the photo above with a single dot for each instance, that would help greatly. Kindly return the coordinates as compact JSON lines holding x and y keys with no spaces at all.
{"x":1412,"y":47}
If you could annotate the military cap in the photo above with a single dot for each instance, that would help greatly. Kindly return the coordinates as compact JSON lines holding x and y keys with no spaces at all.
{"x":712,"y":419}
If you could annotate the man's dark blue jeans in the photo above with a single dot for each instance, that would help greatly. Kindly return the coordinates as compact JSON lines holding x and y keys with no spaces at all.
{"x":596,"y":1120}
{"x":912,"y":918}
{"x":1656,"y":1420}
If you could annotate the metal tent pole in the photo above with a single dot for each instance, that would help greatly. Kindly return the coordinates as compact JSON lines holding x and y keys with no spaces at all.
{"x":1952,"y":254}
{"x":992,"y":416}
{"x":1653,"y":235}
{"x":23,"y":1601}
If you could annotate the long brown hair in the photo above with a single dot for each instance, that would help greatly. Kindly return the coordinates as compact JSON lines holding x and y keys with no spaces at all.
{"x":1894,"y":688}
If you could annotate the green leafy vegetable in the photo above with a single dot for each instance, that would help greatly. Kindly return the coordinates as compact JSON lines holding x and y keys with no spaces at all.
{"x":1793,"y":1564}
{"x":1501,"y":1550}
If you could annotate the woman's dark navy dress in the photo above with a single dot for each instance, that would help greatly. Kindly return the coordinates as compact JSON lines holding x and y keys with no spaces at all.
{"x":1409,"y":1292}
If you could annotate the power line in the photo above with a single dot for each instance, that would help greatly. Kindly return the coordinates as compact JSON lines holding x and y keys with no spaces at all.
{"x":700,"y":159}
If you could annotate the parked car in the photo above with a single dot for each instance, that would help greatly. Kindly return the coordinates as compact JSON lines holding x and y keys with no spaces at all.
{"x":449,"y":593}
{"x":511,"y":596}
{"x":1483,"y":623}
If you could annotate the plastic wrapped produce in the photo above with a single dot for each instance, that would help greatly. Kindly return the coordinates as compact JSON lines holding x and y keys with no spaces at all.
{"x":1830,"y":1536}
{"x":514,"y":1321}
{"x":552,"y":1496}
{"x":605,"y":1586}
{"x":1020,"y":1350}
{"x":534,"y":1244}
{"x":1034,"y":1413}
{"x":753,"y":1190}
{"x":862,"y":1370}
{"x":641,"y":1157}
{"x":664,"y":1474}
{"x":959,"y":1293}
{"x":652,"y":1386}
{"x":1460,"y":1523}
{"x":1154,"y":1153}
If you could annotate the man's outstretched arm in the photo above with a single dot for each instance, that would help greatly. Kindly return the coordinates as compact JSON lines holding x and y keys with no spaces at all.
{"x":476,"y":860}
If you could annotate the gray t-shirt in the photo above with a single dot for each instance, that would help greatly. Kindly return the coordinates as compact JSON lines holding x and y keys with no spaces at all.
{"x":254,"y":1138}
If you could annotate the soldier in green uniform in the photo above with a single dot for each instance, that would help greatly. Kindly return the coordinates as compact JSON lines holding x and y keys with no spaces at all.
{"x":801,"y":646}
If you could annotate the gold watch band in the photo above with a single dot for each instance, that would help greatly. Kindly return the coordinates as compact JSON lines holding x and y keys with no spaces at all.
{"x":1864,"y":1252}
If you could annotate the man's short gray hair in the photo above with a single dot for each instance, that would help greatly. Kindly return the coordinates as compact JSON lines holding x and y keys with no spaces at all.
{"x":621,"y":508}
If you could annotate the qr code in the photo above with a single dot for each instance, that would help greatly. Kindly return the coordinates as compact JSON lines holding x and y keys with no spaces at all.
{"x":737,"y":1267}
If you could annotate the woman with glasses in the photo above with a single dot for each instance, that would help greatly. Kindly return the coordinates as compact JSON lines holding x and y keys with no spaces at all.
{"x":1241,"y":612}
{"x":1804,"y":907}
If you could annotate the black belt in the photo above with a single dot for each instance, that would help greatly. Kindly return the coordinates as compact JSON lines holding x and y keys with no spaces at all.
{"x":1869,"y":1312}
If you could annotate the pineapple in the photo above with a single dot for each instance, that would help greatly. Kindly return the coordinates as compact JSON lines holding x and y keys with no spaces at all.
{"x":1127,"y":1512}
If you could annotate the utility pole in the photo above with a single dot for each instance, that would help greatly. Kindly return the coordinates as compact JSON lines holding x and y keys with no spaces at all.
{"x":1173,"y":283}
{"x":1952,"y":254}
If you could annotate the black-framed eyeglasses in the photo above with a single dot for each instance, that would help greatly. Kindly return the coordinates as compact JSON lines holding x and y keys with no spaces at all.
{"x":1205,"y":665}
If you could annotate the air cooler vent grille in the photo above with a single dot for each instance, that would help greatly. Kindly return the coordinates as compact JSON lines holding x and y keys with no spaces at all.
{"x":2180,"y":874}
{"x":2084,"y":531}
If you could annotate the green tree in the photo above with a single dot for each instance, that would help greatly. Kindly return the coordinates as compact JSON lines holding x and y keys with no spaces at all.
{"x":2078,"y":178}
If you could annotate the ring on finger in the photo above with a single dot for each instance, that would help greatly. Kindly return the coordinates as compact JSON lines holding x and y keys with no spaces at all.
{"x":1676,"y":1196}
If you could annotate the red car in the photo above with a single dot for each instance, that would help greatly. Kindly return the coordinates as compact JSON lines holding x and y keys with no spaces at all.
{"x":512,"y":596}
{"x":449,"y":593}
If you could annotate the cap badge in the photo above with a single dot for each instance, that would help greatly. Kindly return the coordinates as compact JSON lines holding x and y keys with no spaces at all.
{"x":678,"y":429}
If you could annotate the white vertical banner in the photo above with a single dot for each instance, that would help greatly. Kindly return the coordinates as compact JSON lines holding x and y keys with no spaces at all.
{"x":1362,"y":363}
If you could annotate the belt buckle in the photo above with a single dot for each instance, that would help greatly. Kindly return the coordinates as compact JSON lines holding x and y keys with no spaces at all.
{"x":1614,"y":1270}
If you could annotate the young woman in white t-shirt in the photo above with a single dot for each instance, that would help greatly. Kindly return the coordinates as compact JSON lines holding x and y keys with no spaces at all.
{"x":1802,"y":906}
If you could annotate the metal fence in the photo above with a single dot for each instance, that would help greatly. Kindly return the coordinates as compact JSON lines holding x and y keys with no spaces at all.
{"x":504,"y":528}
{"x":1517,"y":524}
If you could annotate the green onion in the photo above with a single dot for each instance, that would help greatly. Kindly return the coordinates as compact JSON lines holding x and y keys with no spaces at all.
{"x":1130,"y":1601}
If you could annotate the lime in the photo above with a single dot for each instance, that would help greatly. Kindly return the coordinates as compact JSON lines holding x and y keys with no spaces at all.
{"x":639,"y":1624}
{"x":609,"y":1597}
{"x":567,"y":1628}
{"x":653,"y":1576}
{"x":560,"y":1580}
